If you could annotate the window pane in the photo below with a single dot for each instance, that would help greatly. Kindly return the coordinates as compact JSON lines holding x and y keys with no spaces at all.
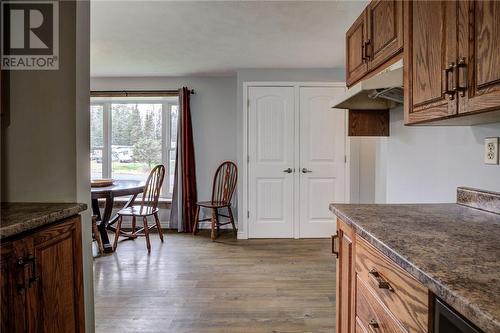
{"x":96,"y":140}
{"x":174,"y":111}
{"x":171,"y":162}
{"x":136,"y":139}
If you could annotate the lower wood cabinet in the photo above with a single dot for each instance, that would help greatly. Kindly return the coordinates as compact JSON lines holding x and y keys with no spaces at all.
{"x":345,"y":274}
{"x":373,"y":293}
{"x":41,"y":280}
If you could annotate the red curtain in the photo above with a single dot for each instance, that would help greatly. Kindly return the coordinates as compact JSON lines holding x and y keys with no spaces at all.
{"x":188,"y":167}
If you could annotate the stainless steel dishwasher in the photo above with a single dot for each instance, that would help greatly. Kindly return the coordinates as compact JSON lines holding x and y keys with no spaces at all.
{"x":447,"y":320}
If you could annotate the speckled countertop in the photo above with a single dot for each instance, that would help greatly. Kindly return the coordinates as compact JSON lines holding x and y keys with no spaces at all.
{"x":451,"y":249}
{"x":16,"y":218}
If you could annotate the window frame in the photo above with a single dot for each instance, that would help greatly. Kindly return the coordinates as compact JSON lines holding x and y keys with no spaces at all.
{"x":166,"y":124}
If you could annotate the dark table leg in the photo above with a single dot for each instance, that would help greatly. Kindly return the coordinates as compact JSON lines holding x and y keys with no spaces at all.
{"x":108,"y":207}
{"x":113,"y":219}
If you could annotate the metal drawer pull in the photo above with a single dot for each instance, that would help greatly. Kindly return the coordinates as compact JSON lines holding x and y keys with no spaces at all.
{"x":289,"y":170}
{"x":373,"y":323}
{"x":379,"y":280}
{"x":460,"y":64}
{"x":334,"y":248}
{"x":446,"y":90}
{"x":34,"y":276}
{"x":21,"y":263}
{"x":305,"y":170}
{"x":368,"y":55}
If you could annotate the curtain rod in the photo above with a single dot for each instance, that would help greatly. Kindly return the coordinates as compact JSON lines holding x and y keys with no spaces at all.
{"x":135,"y":93}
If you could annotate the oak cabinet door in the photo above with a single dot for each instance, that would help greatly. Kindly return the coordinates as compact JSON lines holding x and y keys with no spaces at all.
{"x":59,"y":286}
{"x":356,"y":66}
{"x":430,"y":54}
{"x":385,"y":31}
{"x":345,"y":273}
{"x":13,"y":283}
{"x":478,"y":71}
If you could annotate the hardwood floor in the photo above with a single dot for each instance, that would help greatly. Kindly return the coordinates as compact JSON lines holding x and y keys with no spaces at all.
{"x":190,"y":284}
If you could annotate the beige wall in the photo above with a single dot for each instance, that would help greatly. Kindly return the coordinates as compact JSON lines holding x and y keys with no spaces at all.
{"x":46,"y":147}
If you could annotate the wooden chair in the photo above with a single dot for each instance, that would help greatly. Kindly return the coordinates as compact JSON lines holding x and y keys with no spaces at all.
{"x":223,"y":187}
{"x":96,"y":235}
{"x":148,"y":207}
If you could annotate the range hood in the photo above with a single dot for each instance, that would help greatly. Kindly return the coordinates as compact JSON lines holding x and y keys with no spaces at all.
{"x":380,"y":92}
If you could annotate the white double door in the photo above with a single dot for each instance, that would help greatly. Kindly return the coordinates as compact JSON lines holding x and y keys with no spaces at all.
{"x":296,"y":161}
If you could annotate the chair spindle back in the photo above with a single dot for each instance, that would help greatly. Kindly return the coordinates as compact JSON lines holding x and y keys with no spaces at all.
{"x":224,"y":182}
{"x":152,"y":188}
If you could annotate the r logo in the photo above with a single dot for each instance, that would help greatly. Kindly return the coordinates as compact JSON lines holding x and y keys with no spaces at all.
{"x":30,"y":34}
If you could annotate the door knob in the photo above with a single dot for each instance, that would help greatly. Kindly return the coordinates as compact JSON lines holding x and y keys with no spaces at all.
{"x":304,"y":170}
{"x":289,"y":170}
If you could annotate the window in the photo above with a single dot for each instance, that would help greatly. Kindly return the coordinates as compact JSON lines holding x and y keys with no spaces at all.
{"x":130,"y":135}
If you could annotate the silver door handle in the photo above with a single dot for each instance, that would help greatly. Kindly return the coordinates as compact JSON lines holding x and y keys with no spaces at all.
{"x":304,"y":170}
{"x":289,"y":170}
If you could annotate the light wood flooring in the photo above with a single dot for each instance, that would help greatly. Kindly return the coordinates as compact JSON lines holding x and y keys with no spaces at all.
{"x":190,"y":284}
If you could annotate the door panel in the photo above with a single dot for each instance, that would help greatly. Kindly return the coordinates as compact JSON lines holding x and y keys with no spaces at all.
{"x":322,"y":151}
{"x":13,"y":284}
{"x":58,"y":290}
{"x":345,"y":273}
{"x":480,"y":73}
{"x":385,"y":25}
{"x":355,"y":39}
{"x":430,"y":48}
{"x":271,"y":151}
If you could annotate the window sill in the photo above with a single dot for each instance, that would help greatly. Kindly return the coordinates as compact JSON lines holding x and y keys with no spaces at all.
{"x":120,"y":202}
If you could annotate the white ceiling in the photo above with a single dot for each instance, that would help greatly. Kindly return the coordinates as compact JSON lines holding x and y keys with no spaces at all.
{"x":188,"y":38}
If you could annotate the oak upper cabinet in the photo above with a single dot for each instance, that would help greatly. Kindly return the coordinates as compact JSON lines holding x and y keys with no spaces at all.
{"x":385,"y":31}
{"x":478,"y":63}
{"x":452,"y":68}
{"x":357,"y":65}
{"x":42,"y":280}
{"x":374,"y":39}
{"x":430,"y":55}
{"x":344,"y":249}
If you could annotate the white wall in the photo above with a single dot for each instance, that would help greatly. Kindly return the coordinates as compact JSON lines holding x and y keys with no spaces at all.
{"x":362,"y":173}
{"x":427,"y":164}
{"x":213,"y":111}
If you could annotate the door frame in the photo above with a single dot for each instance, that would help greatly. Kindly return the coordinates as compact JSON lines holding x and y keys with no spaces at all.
{"x":243,"y":200}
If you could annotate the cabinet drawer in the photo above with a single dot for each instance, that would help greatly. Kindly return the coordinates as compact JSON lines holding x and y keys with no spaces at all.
{"x":372,"y":314}
{"x":404,"y":296}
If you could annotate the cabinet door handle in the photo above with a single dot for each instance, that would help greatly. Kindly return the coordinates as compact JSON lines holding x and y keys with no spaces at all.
{"x":34,"y":276}
{"x":379,"y":280}
{"x":21,"y":264}
{"x":460,"y":64}
{"x":289,"y":170}
{"x":305,"y":170}
{"x":373,"y":323}
{"x":446,"y":90}
{"x":363,"y":52}
{"x":368,"y":54}
{"x":334,"y":248}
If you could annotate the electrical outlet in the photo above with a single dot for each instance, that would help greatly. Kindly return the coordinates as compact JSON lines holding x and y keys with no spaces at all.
{"x":491,"y":150}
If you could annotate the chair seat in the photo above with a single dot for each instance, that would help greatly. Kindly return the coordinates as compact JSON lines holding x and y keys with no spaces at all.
{"x":136,"y":211}
{"x":213,"y":204}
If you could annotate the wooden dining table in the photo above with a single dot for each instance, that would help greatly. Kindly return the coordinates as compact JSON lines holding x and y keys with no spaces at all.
{"x":119,"y":188}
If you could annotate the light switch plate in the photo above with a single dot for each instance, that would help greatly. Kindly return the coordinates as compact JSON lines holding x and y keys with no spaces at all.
{"x":491,"y":150}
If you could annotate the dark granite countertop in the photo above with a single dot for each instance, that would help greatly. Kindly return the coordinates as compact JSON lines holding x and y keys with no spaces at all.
{"x":16,"y":218}
{"x":452,"y":249}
